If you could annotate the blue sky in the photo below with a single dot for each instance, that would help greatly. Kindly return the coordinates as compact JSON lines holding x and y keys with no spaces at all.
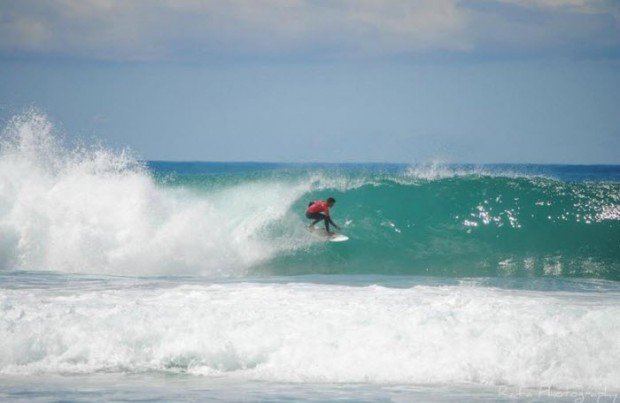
{"x":263,"y":80}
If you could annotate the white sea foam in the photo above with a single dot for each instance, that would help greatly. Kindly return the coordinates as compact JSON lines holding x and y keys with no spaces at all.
{"x":94,"y":210}
{"x":318,"y":333}
{"x":439,"y":170}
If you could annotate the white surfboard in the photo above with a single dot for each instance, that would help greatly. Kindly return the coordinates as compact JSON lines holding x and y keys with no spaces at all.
{"x":333,"y":237}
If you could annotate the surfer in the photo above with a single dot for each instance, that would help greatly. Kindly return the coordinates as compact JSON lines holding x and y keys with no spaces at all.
{"x":319,"y":210}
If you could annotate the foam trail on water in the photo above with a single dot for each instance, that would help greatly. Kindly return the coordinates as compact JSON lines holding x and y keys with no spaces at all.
{"x":319,"y":333}
{"x":94,"y":210}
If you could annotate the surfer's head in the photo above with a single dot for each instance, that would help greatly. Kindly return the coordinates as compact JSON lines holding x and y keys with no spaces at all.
{"x":330,"y":201}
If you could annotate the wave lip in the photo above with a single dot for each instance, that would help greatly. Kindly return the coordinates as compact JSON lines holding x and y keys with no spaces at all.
{"x":319,"y":333}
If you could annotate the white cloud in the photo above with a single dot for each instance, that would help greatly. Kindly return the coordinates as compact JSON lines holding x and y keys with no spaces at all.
{"x":576,"y":5}
{"x":575,"y":27}
{"x":162,"y":28}
{"x":609,"y":8}
{"x":195,"y":29}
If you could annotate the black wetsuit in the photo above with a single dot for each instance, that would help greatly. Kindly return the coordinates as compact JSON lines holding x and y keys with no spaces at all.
{"x":318,"y":217}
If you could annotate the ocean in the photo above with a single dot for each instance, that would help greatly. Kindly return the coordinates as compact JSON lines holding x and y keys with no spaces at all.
{"x":123,"y":279}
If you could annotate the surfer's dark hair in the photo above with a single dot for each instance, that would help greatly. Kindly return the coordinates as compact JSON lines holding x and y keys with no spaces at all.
{"x":331,"y":200}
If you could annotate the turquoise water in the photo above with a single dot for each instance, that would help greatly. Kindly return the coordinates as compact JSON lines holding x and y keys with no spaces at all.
{"x":447,"y":220}
{"x":135,"y":280}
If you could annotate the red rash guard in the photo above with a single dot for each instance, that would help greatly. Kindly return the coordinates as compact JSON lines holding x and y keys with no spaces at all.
{"x":319,"y":206}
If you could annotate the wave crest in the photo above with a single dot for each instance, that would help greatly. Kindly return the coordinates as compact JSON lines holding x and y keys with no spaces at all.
{"x":95,"y":210}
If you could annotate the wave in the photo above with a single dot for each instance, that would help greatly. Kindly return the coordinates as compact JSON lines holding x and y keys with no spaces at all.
{"x":318,"y":333}
{"x":93,"y":210}
{"x":472,"y":225}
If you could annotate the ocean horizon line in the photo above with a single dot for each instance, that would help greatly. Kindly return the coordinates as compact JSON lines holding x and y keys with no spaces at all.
{"x":470,"y":164}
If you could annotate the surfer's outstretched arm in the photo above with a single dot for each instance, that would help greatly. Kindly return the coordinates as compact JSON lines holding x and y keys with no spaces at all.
{"x":328,"y":220}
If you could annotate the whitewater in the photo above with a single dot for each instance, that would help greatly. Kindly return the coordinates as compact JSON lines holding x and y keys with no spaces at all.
{"x":187,"y":280}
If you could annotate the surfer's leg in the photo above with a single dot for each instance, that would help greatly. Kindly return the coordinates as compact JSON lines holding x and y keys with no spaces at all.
{"x":316,"y":217}
{"x":315,"y":221}
{"x":326,"y":218}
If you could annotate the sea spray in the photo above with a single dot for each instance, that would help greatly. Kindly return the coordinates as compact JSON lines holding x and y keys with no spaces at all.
{"x":98,"y":211}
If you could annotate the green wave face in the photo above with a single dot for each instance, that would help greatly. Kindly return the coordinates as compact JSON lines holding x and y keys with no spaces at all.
{"x":469,"y":226}
{"x":92,"y":210}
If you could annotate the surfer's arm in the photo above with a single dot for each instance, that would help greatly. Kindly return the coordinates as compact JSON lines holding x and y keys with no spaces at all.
{"x":327,"y":217}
